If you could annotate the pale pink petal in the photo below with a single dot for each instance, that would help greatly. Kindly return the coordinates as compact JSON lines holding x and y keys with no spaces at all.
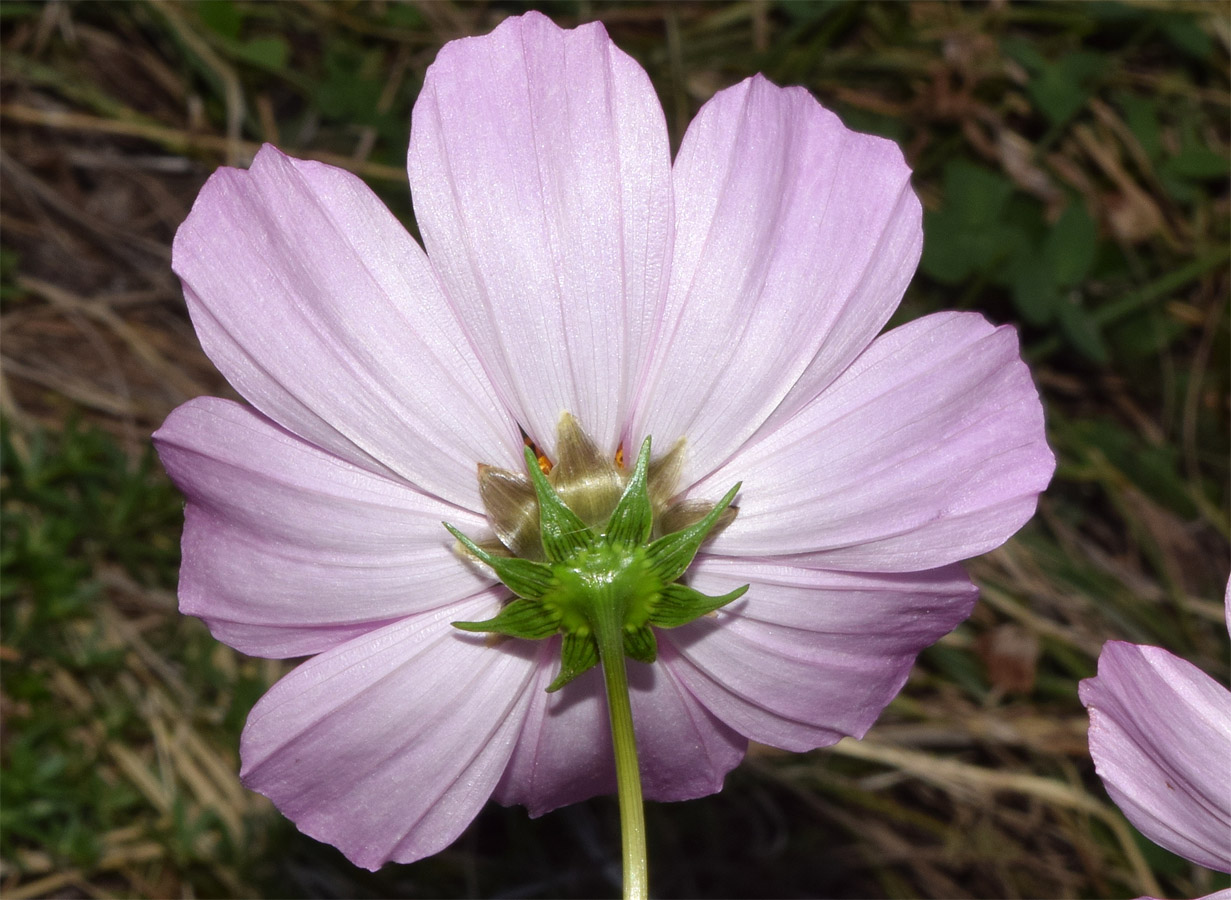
{"x":927,"y":450}
{"x":807,"y":657}
{"x":320,"y":309}
{"x":540,"y":173}
{"x":795,"y":240}
{"x":289,"y":550}
{"x":387,"y":747}
{"x":1160,"y":735}
{"x":564,"y":752}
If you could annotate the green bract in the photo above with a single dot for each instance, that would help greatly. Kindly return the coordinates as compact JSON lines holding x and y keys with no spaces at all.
{"x":591,"y":578}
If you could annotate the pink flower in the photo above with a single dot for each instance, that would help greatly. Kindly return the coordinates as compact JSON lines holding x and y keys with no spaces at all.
{"x":731,"y":299}
{"x":1160,"y":735}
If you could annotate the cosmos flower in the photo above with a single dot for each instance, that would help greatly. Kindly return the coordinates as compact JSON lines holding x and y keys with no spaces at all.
{"x":582,"y":292}
{"x":1160,"y":736}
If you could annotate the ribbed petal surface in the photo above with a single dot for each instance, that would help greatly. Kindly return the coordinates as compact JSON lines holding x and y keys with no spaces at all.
{"x":320,"y":309}
{"x":540,"y":173}
{"x":289,"y":550}
{"x":732,"y":300}
{"x":795,"y":239}
{"x":1160,"y":735}
{"x":564,"y":753}
{"x":929,"y":449}
{"x":807,"y":657}
{"x":387,"y":746}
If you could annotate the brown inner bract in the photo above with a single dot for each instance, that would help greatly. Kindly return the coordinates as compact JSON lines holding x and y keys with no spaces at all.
{"x":590,"y":484}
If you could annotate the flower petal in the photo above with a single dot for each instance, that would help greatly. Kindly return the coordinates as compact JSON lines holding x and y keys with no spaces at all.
{"x":927,"y":450}
{"x":795,"y":240}
{"x":289,"y":550}
{"x":808,"y":656}
{"x":564,"y":752}
{"x":320,"y":309}
{"x":1160,"y":735}
{"x":540,"y":172}
{"x":387,"y":746}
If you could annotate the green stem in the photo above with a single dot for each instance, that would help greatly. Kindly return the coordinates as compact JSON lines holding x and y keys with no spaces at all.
{"x":609,"y":634}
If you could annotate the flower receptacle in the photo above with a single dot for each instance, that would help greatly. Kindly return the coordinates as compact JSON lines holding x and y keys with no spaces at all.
{"x":601,"y":587}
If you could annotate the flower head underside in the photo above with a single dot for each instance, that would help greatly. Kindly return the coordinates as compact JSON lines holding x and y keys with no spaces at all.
{"x":608,"y":559}
{"x":725,"y":304}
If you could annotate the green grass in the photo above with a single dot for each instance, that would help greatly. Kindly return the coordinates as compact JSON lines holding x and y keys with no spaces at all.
{"x":1072,"y":160}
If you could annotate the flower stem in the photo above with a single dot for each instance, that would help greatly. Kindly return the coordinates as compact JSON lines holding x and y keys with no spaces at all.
{"x":624,"y":742}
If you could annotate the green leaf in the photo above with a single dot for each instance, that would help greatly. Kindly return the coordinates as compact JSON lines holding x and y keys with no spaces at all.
{"x":1141,"y":116}
{"x":1061,"y":89}
{"x":269,"y":53}
{"x":578,"y":654}
{"x":678,"y":605}
{"x":20,"y":10}
{"x":1145,"y":336}
{"x":968,"y":234}
{"x":1024,"y":52}
{"x":520,"y":619}
{"x":1188,"y":37}
{"x":640,"y":644}
{"x":222,"y":17}
{"x":671,"y":554}
{"x":1070,"y":246}
{"x":1197,"y":164}
{"x":1034,"y":290}
{"x":633,"y":517}
{"x":563,"y":533}
{"x":976,"y":194}
{"x":351,"y":90}
{"x":403,"y":15}
{"x":523,"y":577}
{"x":1082,"y":332}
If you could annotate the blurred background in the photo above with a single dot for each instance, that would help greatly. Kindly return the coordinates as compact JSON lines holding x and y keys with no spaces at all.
{"x":1073,"y":164}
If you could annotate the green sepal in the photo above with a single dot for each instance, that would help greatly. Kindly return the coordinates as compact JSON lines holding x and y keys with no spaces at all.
{"x":679,"y":604}
{"x":640,"y":644}
{"x":562,"y":532}
{"x":633,"y":517}
{"x":578,"y":654}
{"x":670,"y":556}
{"x":523,"y":577}
{"x":520,"y":619}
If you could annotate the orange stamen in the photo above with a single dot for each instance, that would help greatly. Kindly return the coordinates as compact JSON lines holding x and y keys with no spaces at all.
{"x":544,"y":463}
